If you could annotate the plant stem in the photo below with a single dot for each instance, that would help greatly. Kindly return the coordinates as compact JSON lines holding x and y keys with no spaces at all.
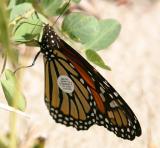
{"x":4,"y":32}
{"x":13,"y":130}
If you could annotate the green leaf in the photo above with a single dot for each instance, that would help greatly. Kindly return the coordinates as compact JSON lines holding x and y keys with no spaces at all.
{"x":11,"y":4}
{"x":28,"y":29}
{"x":62,"y":9}
{"x":109,"y":31}
{"x":76,"y":1}
{"x":23,"y":1}
{"x":81,"y":27}
{"x":96,"y":59}
{"x":11,"y":90}
{"x":20,"y":11}
{"x":89,"y":31}
{"x":50,"y":7}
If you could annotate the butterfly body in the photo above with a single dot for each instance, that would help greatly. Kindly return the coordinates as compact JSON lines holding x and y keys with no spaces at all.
{"x":77,"y":95}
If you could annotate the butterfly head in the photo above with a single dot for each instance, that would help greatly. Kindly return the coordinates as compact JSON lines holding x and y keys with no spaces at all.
{"x":50,"y":40}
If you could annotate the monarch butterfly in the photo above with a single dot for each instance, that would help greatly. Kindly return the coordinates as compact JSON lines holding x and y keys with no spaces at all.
{"x":77,"y":95}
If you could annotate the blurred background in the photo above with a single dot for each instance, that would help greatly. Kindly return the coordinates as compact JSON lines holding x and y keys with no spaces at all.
{"x":135,"y":63}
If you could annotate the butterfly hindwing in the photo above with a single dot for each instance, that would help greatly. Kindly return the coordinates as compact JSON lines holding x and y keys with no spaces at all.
{"x":118,"y":116}
{"x":77,"y":95}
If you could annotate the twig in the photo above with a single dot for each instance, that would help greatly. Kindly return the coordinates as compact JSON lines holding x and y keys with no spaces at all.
{"x":11,"y":109}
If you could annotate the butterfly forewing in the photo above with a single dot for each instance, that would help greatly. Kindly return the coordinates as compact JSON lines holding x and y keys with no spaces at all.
{"x":67,"y":95}
{"x":77,"y":95}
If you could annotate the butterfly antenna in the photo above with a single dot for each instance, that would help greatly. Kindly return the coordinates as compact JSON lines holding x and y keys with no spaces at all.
{"x":35,"y":58}
{"x":62,"y":12}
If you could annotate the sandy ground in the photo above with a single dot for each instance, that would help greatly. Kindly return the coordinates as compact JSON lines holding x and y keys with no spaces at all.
{"x":134,"y":59}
